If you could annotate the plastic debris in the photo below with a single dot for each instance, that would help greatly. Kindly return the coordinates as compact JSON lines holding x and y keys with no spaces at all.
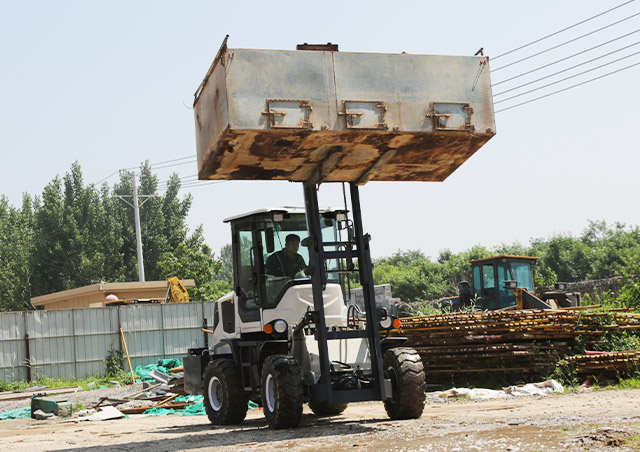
{"x":106,"y":413}
{"x":41,"y":415}
{"x":159,"y":411}
{"x":543,"y":388}
{"x":163,"y":365}
{"x":18,"y":413}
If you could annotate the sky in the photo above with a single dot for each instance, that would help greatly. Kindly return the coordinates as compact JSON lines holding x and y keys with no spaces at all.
{"x":110,"y":84}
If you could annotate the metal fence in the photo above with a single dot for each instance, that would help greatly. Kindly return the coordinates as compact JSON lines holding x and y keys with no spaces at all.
{"x":75,"y":342}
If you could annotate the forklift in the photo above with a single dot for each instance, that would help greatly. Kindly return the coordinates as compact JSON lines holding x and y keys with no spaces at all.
{"x":284,"y":340}
{"x":317,"y":116}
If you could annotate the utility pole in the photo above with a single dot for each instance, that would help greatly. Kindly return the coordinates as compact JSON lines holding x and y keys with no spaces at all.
{"x":136,"y":216}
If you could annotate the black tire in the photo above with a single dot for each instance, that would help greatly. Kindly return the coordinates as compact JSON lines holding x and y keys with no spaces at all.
{"x":327,"y":409}
{"x":282,"y":392}
{"x":224,"y":398}
{"x":404,"y":367}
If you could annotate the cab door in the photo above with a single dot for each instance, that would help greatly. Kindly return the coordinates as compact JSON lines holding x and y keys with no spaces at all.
{"x":247,"y":254}
{"x":507,"y":298}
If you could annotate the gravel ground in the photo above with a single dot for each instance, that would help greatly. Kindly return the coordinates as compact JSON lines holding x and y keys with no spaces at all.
{"x":600,"y":421}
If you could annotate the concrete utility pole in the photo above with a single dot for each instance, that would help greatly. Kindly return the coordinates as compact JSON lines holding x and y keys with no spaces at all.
{"x":136,"y":215}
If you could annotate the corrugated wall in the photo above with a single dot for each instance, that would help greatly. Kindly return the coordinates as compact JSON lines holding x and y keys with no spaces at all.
{"x":12,"y":346}
{"x":75,"y":342}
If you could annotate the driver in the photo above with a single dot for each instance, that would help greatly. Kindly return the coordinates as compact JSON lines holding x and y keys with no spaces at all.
{"x":286,"y":262}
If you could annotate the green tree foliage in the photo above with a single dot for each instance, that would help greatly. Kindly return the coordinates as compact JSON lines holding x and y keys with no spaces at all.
{"x":601,"y":251}
{"x":226,"y":257}
{"x":16,"y":244}
{"x":412,"y":275}
{"x":76,"y":234}
{"x":193,"y":259}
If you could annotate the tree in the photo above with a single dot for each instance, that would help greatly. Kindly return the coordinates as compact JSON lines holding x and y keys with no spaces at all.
{"x":76,"y":234}
{"x":195,"y":261}
{"x":226,"y":257}
{"x":16,"y":242}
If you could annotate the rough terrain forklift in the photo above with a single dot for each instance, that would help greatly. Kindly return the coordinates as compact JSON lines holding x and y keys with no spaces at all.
{"x":286,"y":339}
{"x":315,"y":115}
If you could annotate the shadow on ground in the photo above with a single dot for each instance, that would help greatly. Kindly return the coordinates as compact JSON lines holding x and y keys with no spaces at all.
{"x":250,"y":431}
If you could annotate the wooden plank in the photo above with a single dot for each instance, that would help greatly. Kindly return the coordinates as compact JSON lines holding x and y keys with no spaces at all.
{"x":27,"y":395}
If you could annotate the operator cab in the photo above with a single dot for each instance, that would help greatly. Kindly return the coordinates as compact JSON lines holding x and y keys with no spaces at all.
{"x":490,"y":274}
{"x":259,"y":239}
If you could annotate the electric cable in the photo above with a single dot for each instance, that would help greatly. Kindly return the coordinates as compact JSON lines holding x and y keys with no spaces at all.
{"x":567,"y":58}
{"x":110,"y":175}
{"x":173,"y":160}
{"x":567,"y":69}
{"x":563,"y":30}
{"x":174,"y":164}
{"x":566,"y":42}
{"x":568,"y":88}
{"x":564,"y":79}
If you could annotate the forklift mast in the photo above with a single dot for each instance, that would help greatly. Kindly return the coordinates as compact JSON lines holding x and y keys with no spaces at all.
{"x":356,"y":248}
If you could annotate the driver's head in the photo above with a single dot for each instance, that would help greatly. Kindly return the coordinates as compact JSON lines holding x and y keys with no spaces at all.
{"x":291,"y":244}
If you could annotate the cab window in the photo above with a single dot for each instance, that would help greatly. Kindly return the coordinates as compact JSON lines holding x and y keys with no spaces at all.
{"x":507,"y":298}
{"x":246,"y":286}
{"x":523,"y":274}
{"x":285,"y":265}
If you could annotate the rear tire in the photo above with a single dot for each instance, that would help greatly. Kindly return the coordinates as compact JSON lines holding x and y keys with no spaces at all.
{"x":327,"y":409}
{"x":404,"y":367}
{"x":282,"y":392}
{"x":224,"y":398}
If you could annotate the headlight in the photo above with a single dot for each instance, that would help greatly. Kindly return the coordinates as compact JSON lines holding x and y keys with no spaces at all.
{"x":280,"y":326}
{"x":386,"y":322}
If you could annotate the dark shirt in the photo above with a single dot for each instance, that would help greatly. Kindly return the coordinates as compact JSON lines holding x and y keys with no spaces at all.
{"x":280,"y":264}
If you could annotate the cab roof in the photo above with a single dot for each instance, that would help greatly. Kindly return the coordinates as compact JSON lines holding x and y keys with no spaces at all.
{"x":505,"y":256}
{"x":285,"y":209}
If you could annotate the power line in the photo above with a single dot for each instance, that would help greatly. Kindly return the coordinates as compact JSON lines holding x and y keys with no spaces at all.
{"x":566,"y":42}
{"x":173,"y":160}
{"x":563,"y":30}
{"x":567,"y":69}
{"x":110,"y":175}
{"x":202,"y":183}
{"x":567,"y":58}
{"x":188,"y":162}
{"x":568,"y":88}
{"x":563,"y":79}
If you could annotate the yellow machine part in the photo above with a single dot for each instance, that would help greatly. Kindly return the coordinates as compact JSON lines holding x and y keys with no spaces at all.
{"x":176,"y":292}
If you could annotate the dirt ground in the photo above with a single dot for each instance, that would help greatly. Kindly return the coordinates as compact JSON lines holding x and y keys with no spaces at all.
{"x":592,"y":421}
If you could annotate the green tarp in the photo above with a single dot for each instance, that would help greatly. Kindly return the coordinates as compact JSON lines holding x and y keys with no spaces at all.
{"x":195,"y":408}
{"x":19,"y":413}
{"x":163,"y":365}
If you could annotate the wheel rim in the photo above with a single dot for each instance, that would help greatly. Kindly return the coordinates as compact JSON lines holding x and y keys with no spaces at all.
{"x":215,"y":393}
{"x":270,"y":393}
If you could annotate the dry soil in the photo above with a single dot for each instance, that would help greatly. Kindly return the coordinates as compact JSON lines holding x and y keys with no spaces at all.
{"x":590,"y":421}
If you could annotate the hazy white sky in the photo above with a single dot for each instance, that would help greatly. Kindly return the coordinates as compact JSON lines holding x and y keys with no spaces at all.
{"x":111,"y":84}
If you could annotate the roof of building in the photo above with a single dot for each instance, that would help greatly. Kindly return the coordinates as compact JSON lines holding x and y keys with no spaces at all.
{"x":106,"y":288}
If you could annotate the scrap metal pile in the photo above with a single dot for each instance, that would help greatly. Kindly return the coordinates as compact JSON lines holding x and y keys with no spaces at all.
{"x":606,"y":364}
{"x":527,"y":343}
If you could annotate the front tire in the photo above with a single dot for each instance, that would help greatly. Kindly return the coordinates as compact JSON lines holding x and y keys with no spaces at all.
{"x":224,"y":398}
{"x":404,"y":367}
{"x":282,"y":392}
